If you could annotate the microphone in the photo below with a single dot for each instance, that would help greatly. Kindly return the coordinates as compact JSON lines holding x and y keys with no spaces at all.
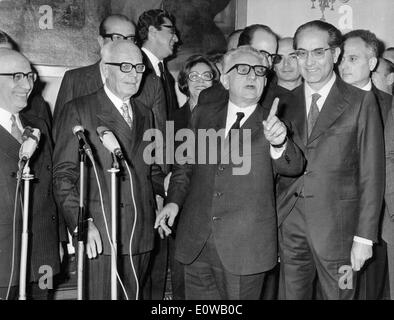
{"x":110,"y":142}
{"x":30,"y":138}
{"x":78,"y":132}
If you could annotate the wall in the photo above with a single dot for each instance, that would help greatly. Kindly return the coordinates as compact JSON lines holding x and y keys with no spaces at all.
{"x":284,"y":16}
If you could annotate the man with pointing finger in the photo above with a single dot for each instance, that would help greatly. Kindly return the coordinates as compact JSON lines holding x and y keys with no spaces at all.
{"x":328,"y":217}
{"x":227,"y":230}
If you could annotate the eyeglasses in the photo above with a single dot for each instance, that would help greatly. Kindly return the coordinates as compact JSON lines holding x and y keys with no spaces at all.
{"x":19,"y":76}
{"x":317,"y":53}
{"x":280,"y":57}
{"x":195,"y":76}
{"x":117,"y":36}
{"x":275,"y":58}
{"x":169,"y":26}
{"x":126,"y":67}
{"x":244,"y":69}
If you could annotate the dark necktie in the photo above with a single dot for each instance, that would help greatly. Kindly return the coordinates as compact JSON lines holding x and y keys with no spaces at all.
{"x":236,"y":124}
{"x":167,"y":88}
{"x":15,"y":132}
{"x":313,"y":112}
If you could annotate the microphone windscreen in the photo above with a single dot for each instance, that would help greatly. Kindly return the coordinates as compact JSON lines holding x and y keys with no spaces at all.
{"x":78,"y":128}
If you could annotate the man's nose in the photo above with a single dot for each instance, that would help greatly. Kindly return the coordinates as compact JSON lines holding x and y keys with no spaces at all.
{"x":26,"y":83}
{"x":252,"y":74}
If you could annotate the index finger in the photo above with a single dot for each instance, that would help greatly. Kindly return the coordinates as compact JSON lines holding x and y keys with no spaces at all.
{"x":274,"y":108}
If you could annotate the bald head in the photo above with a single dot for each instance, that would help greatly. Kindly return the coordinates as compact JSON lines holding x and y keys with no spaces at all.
{"x":13,"y":92}
{"x":123,"y":84}
{"x":389,"y":54}
{"x":116,"y":27}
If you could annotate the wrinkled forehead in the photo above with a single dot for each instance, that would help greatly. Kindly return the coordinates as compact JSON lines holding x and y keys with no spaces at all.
{"x":11,"y":62}
{"x":125,"y":54}
{"x":285,"y":46}
{"x":247,"y":58}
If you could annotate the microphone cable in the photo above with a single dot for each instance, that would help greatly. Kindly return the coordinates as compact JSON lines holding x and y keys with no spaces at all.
{"x":106,"y":225}
{"x":133,"y":230}
{"x":17,"y":193}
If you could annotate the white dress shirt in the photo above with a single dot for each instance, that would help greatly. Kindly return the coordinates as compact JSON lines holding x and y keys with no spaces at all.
{"x":118,"y":103}
{"x":368,"y":86}
{"x":153,"y":60}
{"x":5,"y":120}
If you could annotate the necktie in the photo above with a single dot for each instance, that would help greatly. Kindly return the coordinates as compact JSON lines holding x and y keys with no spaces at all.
{"x":236,"y":126}
{"x":313,"y":112}
{"x":126,"y":114}
{"x":15,"y":132}
{"x":166,"y":87}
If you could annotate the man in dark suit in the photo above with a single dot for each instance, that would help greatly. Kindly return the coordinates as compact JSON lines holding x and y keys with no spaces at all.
{"x":388,"y":217}
{"x":227,"y":232}
{"x":329,"y":216}
{"x":383,"y":76}
{"x":157,"y":34}
{"x":16,"y":84}
{"x":359,"y":58}
{"x":86,"y":80}
{"x":112,"y":106}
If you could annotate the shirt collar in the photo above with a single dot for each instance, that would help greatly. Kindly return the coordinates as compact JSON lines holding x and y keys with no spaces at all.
{"x":153,"y":59}
{"x":368,"y":86}
{"x":5,"y":120}
{"x":324,"y":91}
{"x":114,"y":99}
{"x":233,"y":108}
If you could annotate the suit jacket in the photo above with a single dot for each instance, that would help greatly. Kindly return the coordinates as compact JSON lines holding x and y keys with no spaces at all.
{"x":43,"y":221}
{"x":384,"y":102}
{"x":388,"y":218}
{"x":169,"y":88}
{"x":239,"y":210}
{"x":86,"y":80}
{"x":343,"y":183}
{"x":91,"y":112}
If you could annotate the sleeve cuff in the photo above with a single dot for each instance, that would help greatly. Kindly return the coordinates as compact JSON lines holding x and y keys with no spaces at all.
{"x":362,"y":240}
{"x":276,"y":153}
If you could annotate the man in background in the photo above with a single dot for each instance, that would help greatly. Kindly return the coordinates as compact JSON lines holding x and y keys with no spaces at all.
{"x":383,"y":76}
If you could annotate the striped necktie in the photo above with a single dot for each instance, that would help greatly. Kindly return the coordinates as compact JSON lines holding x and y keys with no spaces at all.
{"x":126,"y":114}
{"x":15,"y":132}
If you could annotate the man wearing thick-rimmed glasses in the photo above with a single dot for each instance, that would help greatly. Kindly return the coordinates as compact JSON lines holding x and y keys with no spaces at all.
{"x":114,"y":107}
{"x":227,"y":232}
{"x":16,"y":84}
{"x":86,"y":80}
{"x":328,"y":217}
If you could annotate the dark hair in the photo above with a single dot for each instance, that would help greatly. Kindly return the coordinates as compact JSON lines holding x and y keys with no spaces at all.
{"x":369,"y":38}
{"x":334,"y":35}
{"x":246,"y":36}
{"x":190,"y":63}
{"x":103,"y":24}
{"x":155,"y":18}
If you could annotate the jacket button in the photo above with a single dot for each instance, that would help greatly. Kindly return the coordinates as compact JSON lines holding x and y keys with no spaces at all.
{"x":216,"y":218}
{"x":13,"y":174}
{"x":49,"y":167}
{"x":121,"y":205}
{"x":296,"y":194}
{"x":53,"y":218}
{"x":220,"y":168}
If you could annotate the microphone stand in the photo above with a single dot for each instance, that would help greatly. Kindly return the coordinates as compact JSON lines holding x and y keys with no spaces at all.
{"x":114,"y":170}
{"x":26,"y":176}
{"x":81,"y":219}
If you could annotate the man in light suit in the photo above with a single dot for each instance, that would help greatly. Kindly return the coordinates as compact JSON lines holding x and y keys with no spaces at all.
{"x":16,"y":84}
{"x":328,"y":217}
{"x":227,"y":232}
{"x":112,"y":106}
{"x":86,"y":80}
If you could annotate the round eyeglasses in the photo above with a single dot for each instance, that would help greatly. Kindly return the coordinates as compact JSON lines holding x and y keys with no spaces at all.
{"x":195,"y":76}
{"x":126,"y":67}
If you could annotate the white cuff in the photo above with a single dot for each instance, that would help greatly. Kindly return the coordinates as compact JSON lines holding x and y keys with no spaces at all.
{"x":362,"y":240}
{"x":276,"y":153}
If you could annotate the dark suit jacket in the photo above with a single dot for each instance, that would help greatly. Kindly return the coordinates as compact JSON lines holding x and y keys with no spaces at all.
{"x":43,"y":226}
{"x":91,"y":112}
{"x":238,"y":209}
{"x":384,"y":102}
{"x":169,"y":89}
{"x":86,"y":80}
{"x":182,"y":117}
{"x":388,"y":219}
{"x":343,"y":183}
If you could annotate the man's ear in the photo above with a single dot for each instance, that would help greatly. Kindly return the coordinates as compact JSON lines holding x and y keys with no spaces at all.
{"x":337,"y":53}
{"x":390,"y":79}
{"x":104,"y":69}
{"x":152,"y":32}
{"x":372,"y":62}
{"x":100,"y":41}
{"x":224,"y":79}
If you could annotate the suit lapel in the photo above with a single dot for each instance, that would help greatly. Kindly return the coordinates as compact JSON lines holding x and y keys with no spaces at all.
{"x":138,"y":125}
{"x":110,"y":117}
{"x":9,"y":145}
{"x":333,"y":107}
